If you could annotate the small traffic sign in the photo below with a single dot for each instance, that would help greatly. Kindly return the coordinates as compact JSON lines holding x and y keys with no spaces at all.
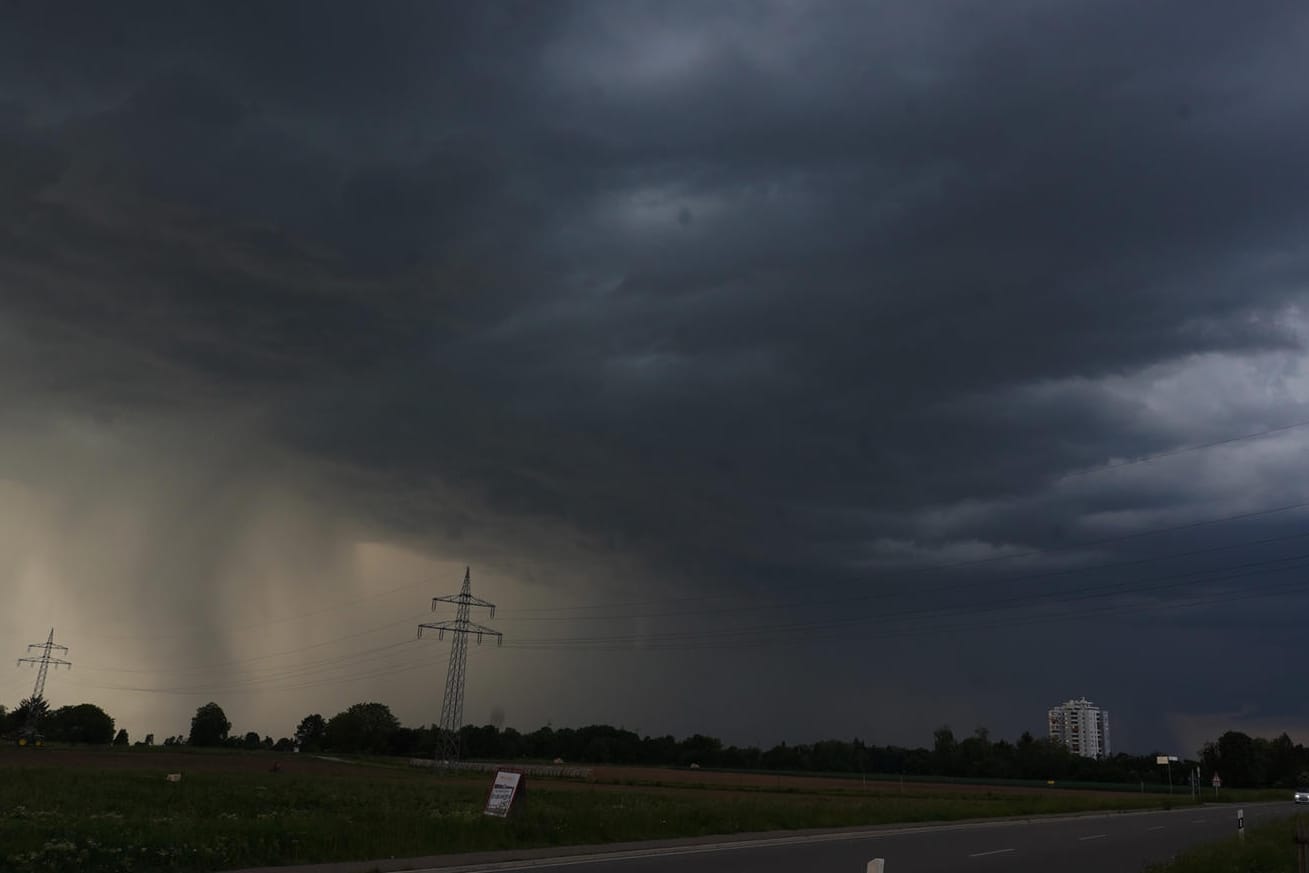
{"x":1217,"y":781}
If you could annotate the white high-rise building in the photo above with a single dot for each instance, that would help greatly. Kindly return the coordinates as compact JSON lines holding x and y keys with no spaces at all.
{"x":1081,"y":726}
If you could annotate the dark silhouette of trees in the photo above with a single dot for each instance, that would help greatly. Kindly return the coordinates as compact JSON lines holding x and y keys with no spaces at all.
{"x":31,"y":710}
{"x":364,"y":727}
{"x":1243,"y":761}
{"x":83,"y":723}
{"x":309,"y":735}
{"x":209,"y":726}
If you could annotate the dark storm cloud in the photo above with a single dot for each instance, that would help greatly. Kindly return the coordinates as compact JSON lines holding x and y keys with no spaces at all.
{"x":748,"y":290}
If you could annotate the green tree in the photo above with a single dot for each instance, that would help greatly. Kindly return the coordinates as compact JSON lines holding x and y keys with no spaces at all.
{"x":944,"y":750}
{"x":83,"y":723}
{"x":122,"y":739}
{"x":699,"y":749}
{"x":209,"y":726}
{"x":311,"y":732}
{"x":31,"y":711}
{"x":975,"y":753}
{"x":364,"y":727}
{"x":251,"y":740}
{"x":1236,"y":760}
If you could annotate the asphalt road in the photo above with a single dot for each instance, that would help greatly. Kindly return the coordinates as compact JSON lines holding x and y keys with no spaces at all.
{"x":1120,"y":843}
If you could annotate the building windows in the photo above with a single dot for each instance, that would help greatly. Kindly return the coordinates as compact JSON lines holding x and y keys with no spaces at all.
{"x":1082,"y":726}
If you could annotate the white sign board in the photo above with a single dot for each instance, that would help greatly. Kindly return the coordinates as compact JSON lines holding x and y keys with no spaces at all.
{"x":1161,"y":759}
{"x":503,"y":791}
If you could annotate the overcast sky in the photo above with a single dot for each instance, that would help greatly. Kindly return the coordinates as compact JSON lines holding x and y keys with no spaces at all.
{"x":783,"y":370}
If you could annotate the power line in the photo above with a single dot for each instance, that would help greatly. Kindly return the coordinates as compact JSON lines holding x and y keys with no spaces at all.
{"x":514,"y":615}
{"x":356,"y":654}
{"x":238,"y":662}
{"x":263,"y":624}
{"x":971,"y":626}
{"x":953,"y":586}
{"x":584,"y":640}
{"x":317,"y":683}
{"x":302,"y":671}
{"x":1145,"y":459}
{"x":679,"y":640}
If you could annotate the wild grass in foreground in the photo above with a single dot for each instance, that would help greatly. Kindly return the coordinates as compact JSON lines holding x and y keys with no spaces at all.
{"x":55,"y":820}
{"x":1267,"y":849}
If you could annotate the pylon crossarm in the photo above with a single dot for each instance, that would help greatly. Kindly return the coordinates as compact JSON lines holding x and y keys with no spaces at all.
{"x":481,"y":630}
{"x":439,"y":628}
{"x":53,"y":662}
{"x":462,"y":599}
{"x":454,"y":626}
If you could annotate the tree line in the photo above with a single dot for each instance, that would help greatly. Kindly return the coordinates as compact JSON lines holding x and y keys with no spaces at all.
{"x":371,"y":728}
{"x":1241,"y":760}
{"x":1246,"y":761}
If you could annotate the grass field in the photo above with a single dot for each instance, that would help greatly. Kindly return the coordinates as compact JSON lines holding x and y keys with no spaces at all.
{"x":113,"y":810}
{"x":1267,"y":849}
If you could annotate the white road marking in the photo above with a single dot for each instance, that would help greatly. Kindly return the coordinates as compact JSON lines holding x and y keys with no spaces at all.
{"x":994,"y":852}
{"x":1198,"y":820}
{"x":1156,"y":828}
{"x":1093,"y":837}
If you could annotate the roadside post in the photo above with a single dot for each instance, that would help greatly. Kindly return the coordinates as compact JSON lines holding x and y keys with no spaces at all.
{"x":1240,"y":824}
{"x":1167,"y":761}
{"x":1301,"y":847}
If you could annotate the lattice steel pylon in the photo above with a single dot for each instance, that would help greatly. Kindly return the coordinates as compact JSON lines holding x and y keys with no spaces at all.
{"x":43,"y":663}
{"x":452,"y":705}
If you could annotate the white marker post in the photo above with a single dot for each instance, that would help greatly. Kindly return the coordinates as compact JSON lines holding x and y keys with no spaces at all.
{"x":1240,"y":823}
{"x":1167,"y":761}
{"x":877,"y":865}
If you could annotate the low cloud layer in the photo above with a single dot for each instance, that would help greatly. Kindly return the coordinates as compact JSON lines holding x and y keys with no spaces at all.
{"x":814,"y":371}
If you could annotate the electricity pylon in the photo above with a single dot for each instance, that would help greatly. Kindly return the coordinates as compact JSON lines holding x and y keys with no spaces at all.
{"x":43,"y":663}
{"x":460,"y":628}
